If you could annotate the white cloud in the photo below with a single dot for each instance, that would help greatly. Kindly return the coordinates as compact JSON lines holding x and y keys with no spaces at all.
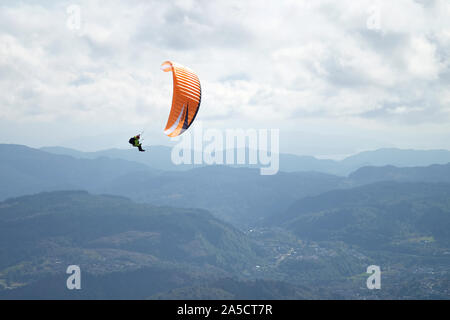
{"x":272,"y":64}
{"x":422,"y":60}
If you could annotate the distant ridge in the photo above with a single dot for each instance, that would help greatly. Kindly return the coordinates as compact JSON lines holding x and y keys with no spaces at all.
{"x":25,"y":170}
{"x":238,"y":195}
{"x":433,"y":173}
{"x":159,"y":157}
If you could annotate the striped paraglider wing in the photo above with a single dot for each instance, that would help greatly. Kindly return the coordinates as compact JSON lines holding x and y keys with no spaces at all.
{"x":186,"y":99}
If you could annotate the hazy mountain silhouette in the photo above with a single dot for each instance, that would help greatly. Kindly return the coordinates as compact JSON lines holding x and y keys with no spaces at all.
{"x":159,"y":157}
{"x":433,"y":173}
{"x":238,"y":195}
{"x":398,"y":157}
{"x":26,"y":170}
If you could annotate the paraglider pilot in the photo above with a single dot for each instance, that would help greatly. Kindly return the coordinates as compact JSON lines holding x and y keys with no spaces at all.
{"x":134,"y":141}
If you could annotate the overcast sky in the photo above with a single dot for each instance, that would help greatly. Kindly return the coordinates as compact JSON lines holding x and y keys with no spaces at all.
{"x":336,"y":77}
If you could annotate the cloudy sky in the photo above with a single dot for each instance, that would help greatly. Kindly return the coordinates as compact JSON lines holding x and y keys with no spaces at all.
{"x":336,"y":77}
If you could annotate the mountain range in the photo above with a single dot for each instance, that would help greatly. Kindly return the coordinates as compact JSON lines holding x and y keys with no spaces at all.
{"x":159,"y":157}
{"x":237,"y":195}
{"x":218,"y":232}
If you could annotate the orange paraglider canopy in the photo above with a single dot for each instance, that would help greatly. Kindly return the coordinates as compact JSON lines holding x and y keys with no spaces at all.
{"x":186,"y":99}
